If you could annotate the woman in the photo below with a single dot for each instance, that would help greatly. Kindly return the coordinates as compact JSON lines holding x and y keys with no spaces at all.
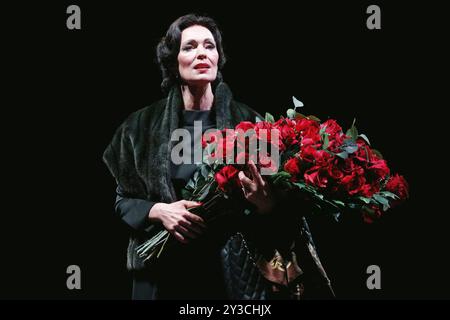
{"x":230,"y":258}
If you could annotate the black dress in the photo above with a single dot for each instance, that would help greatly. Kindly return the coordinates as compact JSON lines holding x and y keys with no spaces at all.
{"x":191,"y":271}
{"x":181,"y":173}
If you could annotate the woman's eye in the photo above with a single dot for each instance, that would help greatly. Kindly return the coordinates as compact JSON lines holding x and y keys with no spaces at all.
{"x":210,"y":46}
{"x":187,"y":48}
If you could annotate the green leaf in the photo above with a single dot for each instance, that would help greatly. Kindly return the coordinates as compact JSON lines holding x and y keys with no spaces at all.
{"x":380,"y":199}
{"x":204,"y":172}
{"x":353,"y":132}
{"x":204,"y":193}
{"x":377,"y":153}
{"x":286,"y":185}
{"x":350,"y":148}
{"x":215,"y":165}
{"x":300,"y":185}
{"x":353,"y":206}
{"x":280,"y":176}
{"x":311,"y":117}
{"x":343,"y":155}
{"x":364,"y":199}
{"x":325,"y":141}
{"x":185,"y":194}
{"x":299,"y":116}
{"x":284,"y":174}
{"x":367,"y":153}
{"x":389,"y":194}
{"x":339,"y":203}
{"x":291,"y":113}
{"x":322,"y":130}
{"x":209,"y":149}
{"x":191,"y":184}
{"x":269,"y":118}
{"x":297,"y":103}
{"x":320,"y":196}
{"x":364,"y":137}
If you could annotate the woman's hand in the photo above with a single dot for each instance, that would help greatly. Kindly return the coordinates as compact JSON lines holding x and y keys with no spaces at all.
{"x":177,"y":220}
{"x":257,"y":190}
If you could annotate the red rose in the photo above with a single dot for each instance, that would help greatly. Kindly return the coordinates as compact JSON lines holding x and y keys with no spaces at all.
{"x":306,"y":142}
{"x":322,"y":158}
{"x":379,"y":168}
{"x":284,"y":122}
{"x":318,"y":157}
{"x":227,"y":178}
{"x":310,"y":137}
{"x":210,"y":137}
{"x":368,"y":190}
{"x":307,"y":154}
{"x":306,"y":124}
{"x":353,"y":183}
{"x":346,"y":165}
{"x":204,"y":143}
{"x":311,"y":133}
{"x":264,"y":133}
{"x":398,"y":185}
{"x":282,"y":136}
{"x":288,"y":135}
{"x":331,"y":127}
{"x":364,"y":153}
{"x":245,"y":125}
{"x":265,"y":127}
{"x":316,"y":176}
{"x":335,"y":142}
{"x":246,"y":135}
{"x":292,"y":166}
{"x":225,"y":147}
{"x":279,"y":122}
{"x":334,"y":171}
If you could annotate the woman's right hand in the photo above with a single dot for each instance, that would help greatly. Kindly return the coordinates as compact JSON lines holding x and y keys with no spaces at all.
{"x":177,"y":220}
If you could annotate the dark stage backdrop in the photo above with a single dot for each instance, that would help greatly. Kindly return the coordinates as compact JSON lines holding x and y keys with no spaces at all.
{"x":70,"y":90}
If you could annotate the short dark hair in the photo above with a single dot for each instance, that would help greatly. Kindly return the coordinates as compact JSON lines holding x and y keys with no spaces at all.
{"x":169,"y":47}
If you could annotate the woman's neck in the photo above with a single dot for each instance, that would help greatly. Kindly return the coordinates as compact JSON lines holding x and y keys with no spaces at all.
{"x":197,"y":97}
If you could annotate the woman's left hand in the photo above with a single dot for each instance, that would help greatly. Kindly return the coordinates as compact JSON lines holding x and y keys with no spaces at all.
{"x":257,"y":190}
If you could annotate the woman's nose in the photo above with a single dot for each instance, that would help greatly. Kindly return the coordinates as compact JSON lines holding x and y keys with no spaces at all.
{"x":201,"y":53}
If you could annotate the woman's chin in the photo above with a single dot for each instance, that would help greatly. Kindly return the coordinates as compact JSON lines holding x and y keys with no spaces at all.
{"x":201,"y":81}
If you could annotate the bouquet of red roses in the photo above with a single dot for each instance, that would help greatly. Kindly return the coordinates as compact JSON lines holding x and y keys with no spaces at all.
{"x":333,"y":171}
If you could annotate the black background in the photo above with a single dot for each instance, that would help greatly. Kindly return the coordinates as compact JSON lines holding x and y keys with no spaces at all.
{"x":68,"y":90}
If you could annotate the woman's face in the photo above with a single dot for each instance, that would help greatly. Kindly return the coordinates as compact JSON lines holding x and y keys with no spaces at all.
{"x":198,"y":56}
